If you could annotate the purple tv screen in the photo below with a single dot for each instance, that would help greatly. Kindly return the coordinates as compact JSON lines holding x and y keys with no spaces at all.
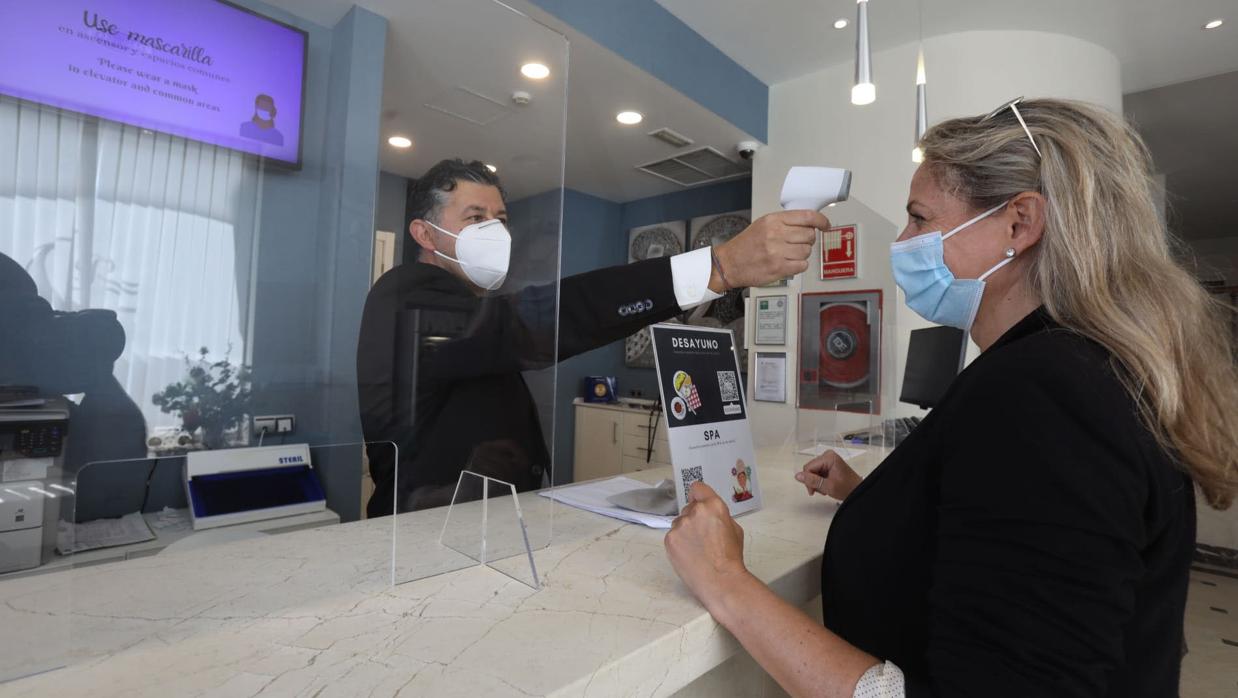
{"x":202,"y":69}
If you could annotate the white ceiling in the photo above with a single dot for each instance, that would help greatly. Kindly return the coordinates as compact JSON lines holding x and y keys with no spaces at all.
{"x":1158,"y":42}
{"x":435,"y":47}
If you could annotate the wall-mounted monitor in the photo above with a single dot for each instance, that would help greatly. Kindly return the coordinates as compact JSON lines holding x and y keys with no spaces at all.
{"x":206,"y":70}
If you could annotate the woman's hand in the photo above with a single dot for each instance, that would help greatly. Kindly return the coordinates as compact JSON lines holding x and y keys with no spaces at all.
{"x":828,"y":474}
{"x":706,"y":546}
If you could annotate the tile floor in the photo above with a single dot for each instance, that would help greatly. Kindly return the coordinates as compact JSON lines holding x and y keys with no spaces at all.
{"x":1210,"y":668}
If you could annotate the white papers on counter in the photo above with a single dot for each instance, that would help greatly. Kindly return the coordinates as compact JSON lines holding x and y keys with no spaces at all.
{"x":102,"y":533}
{"x":593,"y":496}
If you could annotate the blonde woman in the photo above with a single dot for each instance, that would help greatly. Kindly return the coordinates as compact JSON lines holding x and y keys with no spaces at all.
{"x":1033,"y":536}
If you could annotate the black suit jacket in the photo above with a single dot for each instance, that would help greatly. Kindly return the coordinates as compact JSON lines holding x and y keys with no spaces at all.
{"x":1029,"y":538}
{"x":471,"y":408}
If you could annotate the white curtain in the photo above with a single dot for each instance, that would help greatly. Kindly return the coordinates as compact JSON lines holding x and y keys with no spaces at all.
{"x":154,"y":227}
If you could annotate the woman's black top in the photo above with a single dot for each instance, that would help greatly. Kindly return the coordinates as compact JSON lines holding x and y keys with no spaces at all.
{"x":1029,"y":538}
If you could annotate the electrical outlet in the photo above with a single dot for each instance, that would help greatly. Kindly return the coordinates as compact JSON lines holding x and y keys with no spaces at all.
{"x":275,"y":424}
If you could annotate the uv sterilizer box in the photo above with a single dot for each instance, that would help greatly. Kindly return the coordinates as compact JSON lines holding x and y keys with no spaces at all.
{"x":240,"y":485}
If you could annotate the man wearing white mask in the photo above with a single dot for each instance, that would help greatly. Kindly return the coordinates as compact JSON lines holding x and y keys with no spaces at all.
{"x":443,"y":325}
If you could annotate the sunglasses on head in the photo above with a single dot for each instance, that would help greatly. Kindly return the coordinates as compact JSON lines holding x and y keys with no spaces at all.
{"x":1012,"y":105}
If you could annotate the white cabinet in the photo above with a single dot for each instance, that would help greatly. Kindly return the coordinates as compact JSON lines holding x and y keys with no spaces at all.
{"x":598,"y":450}
{"x":616,"y":438}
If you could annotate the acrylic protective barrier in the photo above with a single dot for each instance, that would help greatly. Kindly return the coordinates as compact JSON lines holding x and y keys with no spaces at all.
{"x":486,"y":522}
{"x":464,"y":380}
{"x":157,"y":295}
{"x":857,"y":420}
{"x":847,"y":367}
{"x":155,"y":549}
{"x":163,"y":294}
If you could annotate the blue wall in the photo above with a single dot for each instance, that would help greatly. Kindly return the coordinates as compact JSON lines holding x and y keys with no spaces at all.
{"x":595,"y":235}
{"x":314,"y":238}
{"x":315,"y":242}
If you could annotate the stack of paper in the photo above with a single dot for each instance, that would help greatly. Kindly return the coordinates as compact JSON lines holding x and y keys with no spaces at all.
{"x":592,"y":496}
{"x":102,"y":533}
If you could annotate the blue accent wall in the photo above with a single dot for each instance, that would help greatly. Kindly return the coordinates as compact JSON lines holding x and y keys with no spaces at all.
{"x":651,"y":38}
{"x":315,"y":242}
{"x":595,"y":235}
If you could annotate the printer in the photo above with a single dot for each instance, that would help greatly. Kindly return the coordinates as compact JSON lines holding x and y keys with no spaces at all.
{"x":242,"y":485}
{"x":21,"y":526}
{"x":33,"y":433}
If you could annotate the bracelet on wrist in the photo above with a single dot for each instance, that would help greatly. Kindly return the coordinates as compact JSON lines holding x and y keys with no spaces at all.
{"x":713,"y":257}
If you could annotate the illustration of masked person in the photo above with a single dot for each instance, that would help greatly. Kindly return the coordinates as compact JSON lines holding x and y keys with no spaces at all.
{"x":261,"y":126}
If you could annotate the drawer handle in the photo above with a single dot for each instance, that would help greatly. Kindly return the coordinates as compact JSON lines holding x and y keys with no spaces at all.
{"x":614,"y":432}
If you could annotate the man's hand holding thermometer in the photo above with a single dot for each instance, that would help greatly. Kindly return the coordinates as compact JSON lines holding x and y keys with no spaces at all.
{"x":777,"y":245}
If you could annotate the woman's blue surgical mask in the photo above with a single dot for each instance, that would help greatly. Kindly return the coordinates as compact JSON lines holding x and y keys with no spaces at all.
{"x":931,"y":288}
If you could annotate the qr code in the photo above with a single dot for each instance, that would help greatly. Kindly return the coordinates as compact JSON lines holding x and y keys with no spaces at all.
{"x":728,"y":386}
{"x":688,"y":476}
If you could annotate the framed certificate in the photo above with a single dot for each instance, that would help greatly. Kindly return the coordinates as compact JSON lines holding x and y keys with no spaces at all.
{"x":770,"y":384}
{"x":771,"y":320}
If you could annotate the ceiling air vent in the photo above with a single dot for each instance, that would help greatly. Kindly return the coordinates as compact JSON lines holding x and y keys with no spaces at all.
{"x":672,"y":138}
{"x":694,"y":167}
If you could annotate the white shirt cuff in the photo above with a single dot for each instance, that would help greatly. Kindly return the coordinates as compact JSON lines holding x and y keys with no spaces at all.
{"x":690,"y":274}
{"x":881,"y":681}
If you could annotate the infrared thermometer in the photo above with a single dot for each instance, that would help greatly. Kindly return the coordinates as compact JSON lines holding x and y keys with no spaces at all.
{"x":814,"y":188}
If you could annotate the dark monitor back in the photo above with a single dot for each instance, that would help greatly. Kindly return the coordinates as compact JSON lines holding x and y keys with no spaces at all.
{"x":935,"y":356}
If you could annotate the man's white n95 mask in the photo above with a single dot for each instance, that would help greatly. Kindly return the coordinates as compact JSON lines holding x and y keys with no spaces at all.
{"x":483,"y":251}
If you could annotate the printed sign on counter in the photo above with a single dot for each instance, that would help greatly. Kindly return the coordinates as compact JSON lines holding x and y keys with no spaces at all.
{"x":706,"y":417}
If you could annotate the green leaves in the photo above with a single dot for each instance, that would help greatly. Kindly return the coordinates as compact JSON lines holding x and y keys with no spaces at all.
{"x":214,"y":395}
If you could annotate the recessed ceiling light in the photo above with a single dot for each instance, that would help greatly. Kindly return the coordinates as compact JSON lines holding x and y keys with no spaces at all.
{"x":535,"y":71}
{"x":629,"y":118}
{"x":1214,"y":24}
{"x":400,"y":142}
{"x":492,"y":168}
{"x":840,"y":23}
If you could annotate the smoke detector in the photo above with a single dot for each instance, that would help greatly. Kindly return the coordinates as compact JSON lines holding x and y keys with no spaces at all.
{"x":521,"y":98}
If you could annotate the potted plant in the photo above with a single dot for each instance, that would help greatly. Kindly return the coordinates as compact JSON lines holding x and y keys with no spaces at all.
{"x":214,"y":397}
